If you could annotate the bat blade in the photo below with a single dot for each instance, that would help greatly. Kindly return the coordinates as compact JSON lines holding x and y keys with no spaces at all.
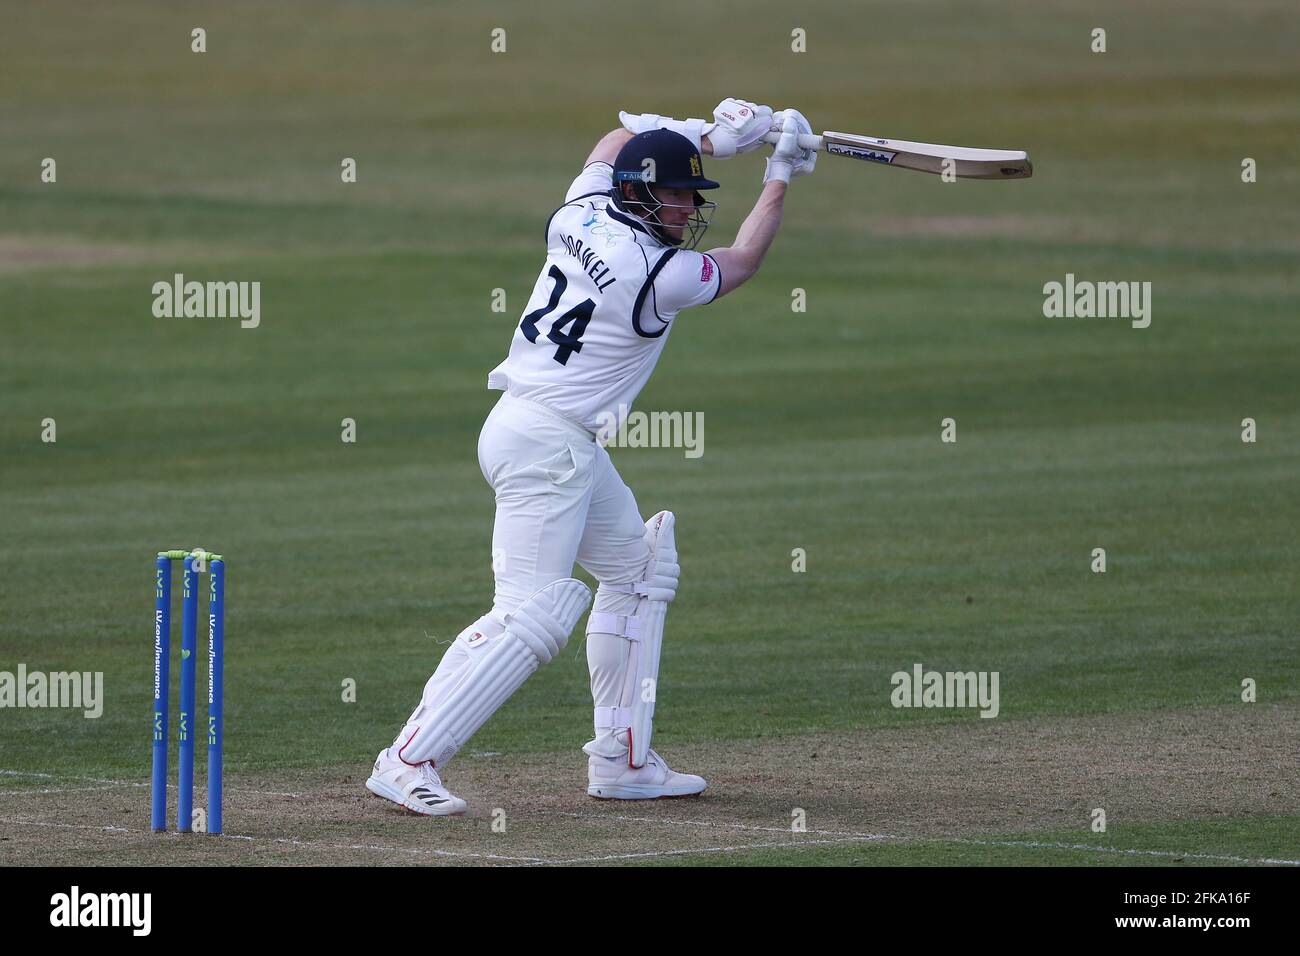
{"x":967,"y":163}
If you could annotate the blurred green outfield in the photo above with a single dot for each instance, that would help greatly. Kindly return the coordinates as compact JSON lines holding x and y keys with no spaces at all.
{"x":821,"y":429}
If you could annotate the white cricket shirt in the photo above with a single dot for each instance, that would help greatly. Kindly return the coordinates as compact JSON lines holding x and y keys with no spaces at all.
{"x":603,"y":305}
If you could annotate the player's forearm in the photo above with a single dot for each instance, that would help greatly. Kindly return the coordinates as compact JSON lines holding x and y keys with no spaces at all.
{"x":760,"y":226}
{"x":606,"y":150}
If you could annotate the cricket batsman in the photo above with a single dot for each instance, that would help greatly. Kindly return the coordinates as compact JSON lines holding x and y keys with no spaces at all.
{"x":620,"y":265}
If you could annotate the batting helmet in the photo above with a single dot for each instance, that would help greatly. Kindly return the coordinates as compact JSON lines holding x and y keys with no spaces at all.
{"x":663,"y":158}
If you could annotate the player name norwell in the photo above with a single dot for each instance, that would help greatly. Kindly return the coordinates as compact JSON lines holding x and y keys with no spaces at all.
{"x":593,"y":264}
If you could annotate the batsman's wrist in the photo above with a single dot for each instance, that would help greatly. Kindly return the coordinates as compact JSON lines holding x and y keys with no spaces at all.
{"x":777,"y":172}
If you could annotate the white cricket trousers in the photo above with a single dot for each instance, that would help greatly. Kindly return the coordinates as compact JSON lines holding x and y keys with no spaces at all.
{"x":559,"y":500}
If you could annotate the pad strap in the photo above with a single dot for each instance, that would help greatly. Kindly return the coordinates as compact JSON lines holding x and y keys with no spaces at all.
{"x":620,"y":625}
{"x":641,"y":588}
{"x":612,"y":717}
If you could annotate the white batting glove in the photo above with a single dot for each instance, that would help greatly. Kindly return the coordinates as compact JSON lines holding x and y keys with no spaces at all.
{"x":738,"y":127}
{"x":635,"y":123}
{"x":780,"y":165}
{"x":807,"y":160}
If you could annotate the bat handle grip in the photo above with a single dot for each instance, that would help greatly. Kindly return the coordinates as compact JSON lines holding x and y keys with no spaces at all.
{"x":806,"y":140}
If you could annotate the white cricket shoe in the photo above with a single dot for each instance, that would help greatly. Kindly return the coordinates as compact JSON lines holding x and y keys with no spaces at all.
{"x":418,"y":789}
{"x":610,"y":778}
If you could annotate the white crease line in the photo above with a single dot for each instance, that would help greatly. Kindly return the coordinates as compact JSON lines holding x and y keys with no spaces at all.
{"x":904,"y":840}
{"x":57,"y":776}
{"x":725,"y":826}
{"x":420,"y":851}
{"x":24,"y":793}
{"x":119,"y":783}
{"x":67,"y":826}
{"x":784,"y":844}
{"x":415,"y":851}
{"x":789,"y":844}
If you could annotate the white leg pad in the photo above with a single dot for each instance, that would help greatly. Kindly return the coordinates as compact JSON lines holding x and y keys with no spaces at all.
{"x":489,"y":665}
{"x":646,"y":650}
{"x":643,"y":630}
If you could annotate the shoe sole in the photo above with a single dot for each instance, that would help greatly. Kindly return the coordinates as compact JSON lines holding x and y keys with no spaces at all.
{"x":384,"y":791}
{"x":636,"y":792}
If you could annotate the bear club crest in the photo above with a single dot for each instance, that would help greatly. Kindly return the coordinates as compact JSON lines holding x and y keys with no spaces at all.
{"x":695,"y":165}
